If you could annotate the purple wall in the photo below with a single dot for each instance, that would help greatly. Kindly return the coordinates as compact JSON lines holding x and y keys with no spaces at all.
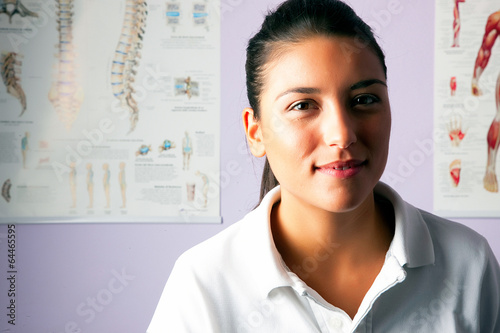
{"x":108,"y":277}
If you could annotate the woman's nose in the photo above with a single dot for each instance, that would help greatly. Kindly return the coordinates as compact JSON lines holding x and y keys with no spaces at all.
{"x":339,"y":127}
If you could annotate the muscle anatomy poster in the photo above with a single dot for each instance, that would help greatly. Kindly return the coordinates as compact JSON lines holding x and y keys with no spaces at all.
{"x":110,"y":110}
{"x":467,"y":108}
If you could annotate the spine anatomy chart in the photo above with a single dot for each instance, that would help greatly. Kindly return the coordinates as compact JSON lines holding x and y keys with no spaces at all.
{"x":127,"y":55}
{"x":120,"y":111}
{"x":11,"y":69}
{"x":467,"y":107}
{"x":12,"y":7}
{"x":66,"y":95}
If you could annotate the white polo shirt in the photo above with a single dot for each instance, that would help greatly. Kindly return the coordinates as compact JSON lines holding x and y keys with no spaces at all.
{"x":438,"y":276}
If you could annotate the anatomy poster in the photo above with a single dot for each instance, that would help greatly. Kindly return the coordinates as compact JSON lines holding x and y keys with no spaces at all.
{"x":467,"y":108}
{"x":110,"y":111}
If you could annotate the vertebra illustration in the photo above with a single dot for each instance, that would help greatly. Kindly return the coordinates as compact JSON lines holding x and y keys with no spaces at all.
{"x":200,"y":14}
{"x":173,"y":14}
{"x":11,"y":69}
{"x":143,"y":150}
{"x":185,"y":86}
{"x":127,"y":55}
{"x":6,"y":190}
{"x":66,"y":95}
{"x":18,"y":9}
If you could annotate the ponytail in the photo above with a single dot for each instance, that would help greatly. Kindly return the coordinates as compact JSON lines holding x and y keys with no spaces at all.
{"x":268,"y":181}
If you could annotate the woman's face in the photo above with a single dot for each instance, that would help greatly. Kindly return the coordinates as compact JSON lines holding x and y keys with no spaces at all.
{"x":325,"y":122}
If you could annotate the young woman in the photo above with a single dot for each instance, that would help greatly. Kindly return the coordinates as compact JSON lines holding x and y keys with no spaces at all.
{"x":329,"y":248}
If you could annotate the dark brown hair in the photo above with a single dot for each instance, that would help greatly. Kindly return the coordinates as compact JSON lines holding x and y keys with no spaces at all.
{"x":292,"y":22}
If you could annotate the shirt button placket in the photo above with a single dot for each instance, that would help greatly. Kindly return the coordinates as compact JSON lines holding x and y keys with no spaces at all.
{"x":335,"y":324}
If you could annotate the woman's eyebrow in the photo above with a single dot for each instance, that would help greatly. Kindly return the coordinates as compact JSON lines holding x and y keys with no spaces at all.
{"x":308,"y":90}
{"x":367,"y":83}
{"x":299,"y":90}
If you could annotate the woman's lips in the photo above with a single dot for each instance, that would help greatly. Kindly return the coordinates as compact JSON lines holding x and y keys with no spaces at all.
{"x":342,"y":169}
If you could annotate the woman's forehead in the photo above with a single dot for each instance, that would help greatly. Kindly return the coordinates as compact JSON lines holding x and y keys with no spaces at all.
{"x":312,"y":58}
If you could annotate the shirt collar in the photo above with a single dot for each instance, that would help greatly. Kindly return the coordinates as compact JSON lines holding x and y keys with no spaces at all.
{"x":411,"y":245}
{"x":265,"y":259}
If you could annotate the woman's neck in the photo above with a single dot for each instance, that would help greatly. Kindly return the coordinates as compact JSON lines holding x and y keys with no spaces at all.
{"x":346,"y":239}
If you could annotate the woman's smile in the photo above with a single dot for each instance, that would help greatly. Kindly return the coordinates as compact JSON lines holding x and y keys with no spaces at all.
{"x":342,"y":169}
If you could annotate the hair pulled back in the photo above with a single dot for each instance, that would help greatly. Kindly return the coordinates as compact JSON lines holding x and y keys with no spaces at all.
{"x":292,"y":22}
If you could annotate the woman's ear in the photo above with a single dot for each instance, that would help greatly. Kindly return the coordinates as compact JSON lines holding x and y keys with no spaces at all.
{"x":253,"y":133}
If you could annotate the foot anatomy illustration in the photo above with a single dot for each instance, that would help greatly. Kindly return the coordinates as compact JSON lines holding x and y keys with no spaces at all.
{"x":13,"y":7}
{"x":491,"y":33}
{"x":65,"y":94}
{"x":11,"y":69}
{"x":127,"y":55}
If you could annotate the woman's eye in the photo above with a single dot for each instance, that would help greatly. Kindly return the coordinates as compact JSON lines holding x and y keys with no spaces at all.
{"x":364,"y":100}
{"x":303,"y":106}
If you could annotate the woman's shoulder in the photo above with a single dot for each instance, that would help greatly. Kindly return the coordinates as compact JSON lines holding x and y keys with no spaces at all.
{"x":227,"y":247}
{"x":457,"y":241}
{"x":245,"y":240}
{"x":428,"y":238}
{"x":451,"y":231}
{"x":446,"y":235}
